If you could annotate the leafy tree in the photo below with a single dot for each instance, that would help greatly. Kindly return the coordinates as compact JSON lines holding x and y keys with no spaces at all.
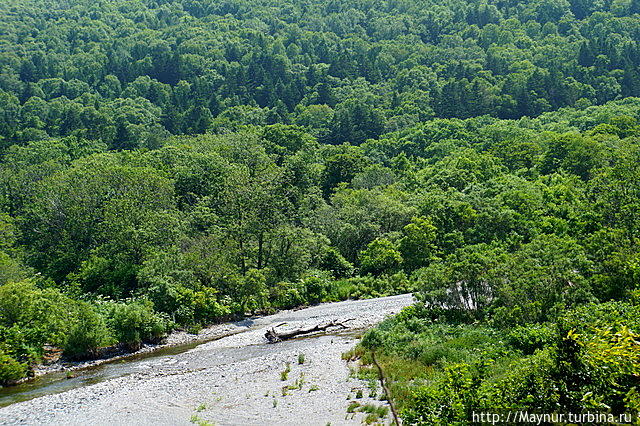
{"x":417,"y":245}
{"x":380,"y":256}
{"x":342,"y":167}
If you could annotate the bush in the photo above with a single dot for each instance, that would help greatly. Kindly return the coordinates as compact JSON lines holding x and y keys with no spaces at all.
{"x":316,"y":288}
{"x":587,"y":361}
{"x":10,"y":369}
{"x":342,"y":290}
{"x":88,"y":333}
{"x":198,"y":307}
{"x":136,"y":322}
{"x":598,"y":357}
{"x":334,"y":262}
{"x":369,"y":286}
{"x":448,"y":401}
{"x":528,"y":384}
{"x":31,"y":317}
{"x":380,"y":256}
{"x":285,"y":295}
{"x":530,"y":338}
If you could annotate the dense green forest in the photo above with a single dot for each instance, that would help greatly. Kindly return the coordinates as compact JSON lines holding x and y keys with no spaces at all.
{"x":173,"y":163}
{"x":129,"y":73}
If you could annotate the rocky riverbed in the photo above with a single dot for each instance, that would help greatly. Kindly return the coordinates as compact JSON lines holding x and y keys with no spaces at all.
{"x":236,"y":380}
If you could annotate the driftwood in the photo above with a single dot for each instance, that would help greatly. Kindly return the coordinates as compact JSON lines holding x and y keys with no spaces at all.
{"x":274,"y":336}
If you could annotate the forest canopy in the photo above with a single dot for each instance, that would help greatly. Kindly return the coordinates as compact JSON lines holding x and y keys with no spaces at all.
{"x":130,"y":73}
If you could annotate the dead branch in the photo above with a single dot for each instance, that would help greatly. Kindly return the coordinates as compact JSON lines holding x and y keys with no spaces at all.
{"x":274,"y":336}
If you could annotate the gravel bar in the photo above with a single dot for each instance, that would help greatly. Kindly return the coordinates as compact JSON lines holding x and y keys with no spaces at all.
{"x":236,"y":380}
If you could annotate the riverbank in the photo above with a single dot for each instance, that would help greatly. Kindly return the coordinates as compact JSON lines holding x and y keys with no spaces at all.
{"x":236,"y":379}
{"x":173,"y":339}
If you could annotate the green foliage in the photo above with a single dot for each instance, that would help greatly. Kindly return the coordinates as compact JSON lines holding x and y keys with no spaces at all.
{"x":284,"y":374}
{"x":342,"y":168}
{"x":333,"y":261}
{"x":380,"y":256}
{"x":348,"y":72}
{"x":31,"y":317}
{"x":286,"y":295}
{"x":417,"y":246}
{"x":316,"y":288}
{"x":252,"y":291}
{"x":531,"y":337}
{"x":88,"y":333}
{"x":585,"y":360}
{"x":234,"y":158}
{"x":10,"y":369}
{"x":448,"y":402}
{"x":10,"y":269}
{"x":135,"y":322}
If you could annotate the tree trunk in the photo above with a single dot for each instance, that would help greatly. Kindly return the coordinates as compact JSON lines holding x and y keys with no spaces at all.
{"x":273,"y":336}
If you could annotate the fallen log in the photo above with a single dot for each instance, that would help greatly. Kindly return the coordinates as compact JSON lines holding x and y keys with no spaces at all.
{"x":274,"y":336}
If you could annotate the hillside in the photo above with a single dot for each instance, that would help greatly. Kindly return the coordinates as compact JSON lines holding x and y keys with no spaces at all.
{"x":175,"y":163}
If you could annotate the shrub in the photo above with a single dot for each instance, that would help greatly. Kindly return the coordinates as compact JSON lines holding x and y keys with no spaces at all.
{"x":530,"y":338}
{"x":31,"y":317}
{"x":88,"y":333}
{"x":316,"y":288}
{"x":196,"y":307}
{"x":447,"y":401}
{"x":587,"y":361}
{"x":286,"y":295}
{"x":342,"y":290}
{"x":598,"y":357}
{"x":10,"y":369}
{"x":136,"y":322}
{"x":334,"y":262}
{"x":252,"y":291}
{"x":380,"y":256}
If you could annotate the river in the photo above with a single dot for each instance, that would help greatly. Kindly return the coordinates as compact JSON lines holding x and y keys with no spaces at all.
{"x":234,"y":380}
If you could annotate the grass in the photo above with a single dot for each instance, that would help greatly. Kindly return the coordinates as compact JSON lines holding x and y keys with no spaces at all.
{"x":413,"y":352}
{"x":353,"y":406}
{"x":200,"y":422}
{"x":284,"y":375}
{"x":373,"y":387}
{"x":301,"y":359}
{"x":201,"y":407}
{"x":373,"y":412}
{"x":297,"y":385}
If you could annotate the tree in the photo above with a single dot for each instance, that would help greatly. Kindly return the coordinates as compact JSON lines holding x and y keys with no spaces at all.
{"x":540,"y":280}
{"x":381,"y":256}
{"x":100,"y":220}
{"x":252,"y":291}
{"x":417,"y":245}
{"x":573,"y":153}
{"x":342,"y":167}
{"x":464,"y":281}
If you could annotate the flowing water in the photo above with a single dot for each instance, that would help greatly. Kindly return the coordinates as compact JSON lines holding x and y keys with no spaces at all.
{"x":57,"y":382}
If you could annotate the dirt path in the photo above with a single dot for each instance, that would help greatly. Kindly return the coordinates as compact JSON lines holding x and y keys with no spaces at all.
{"x":236,"y":380}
